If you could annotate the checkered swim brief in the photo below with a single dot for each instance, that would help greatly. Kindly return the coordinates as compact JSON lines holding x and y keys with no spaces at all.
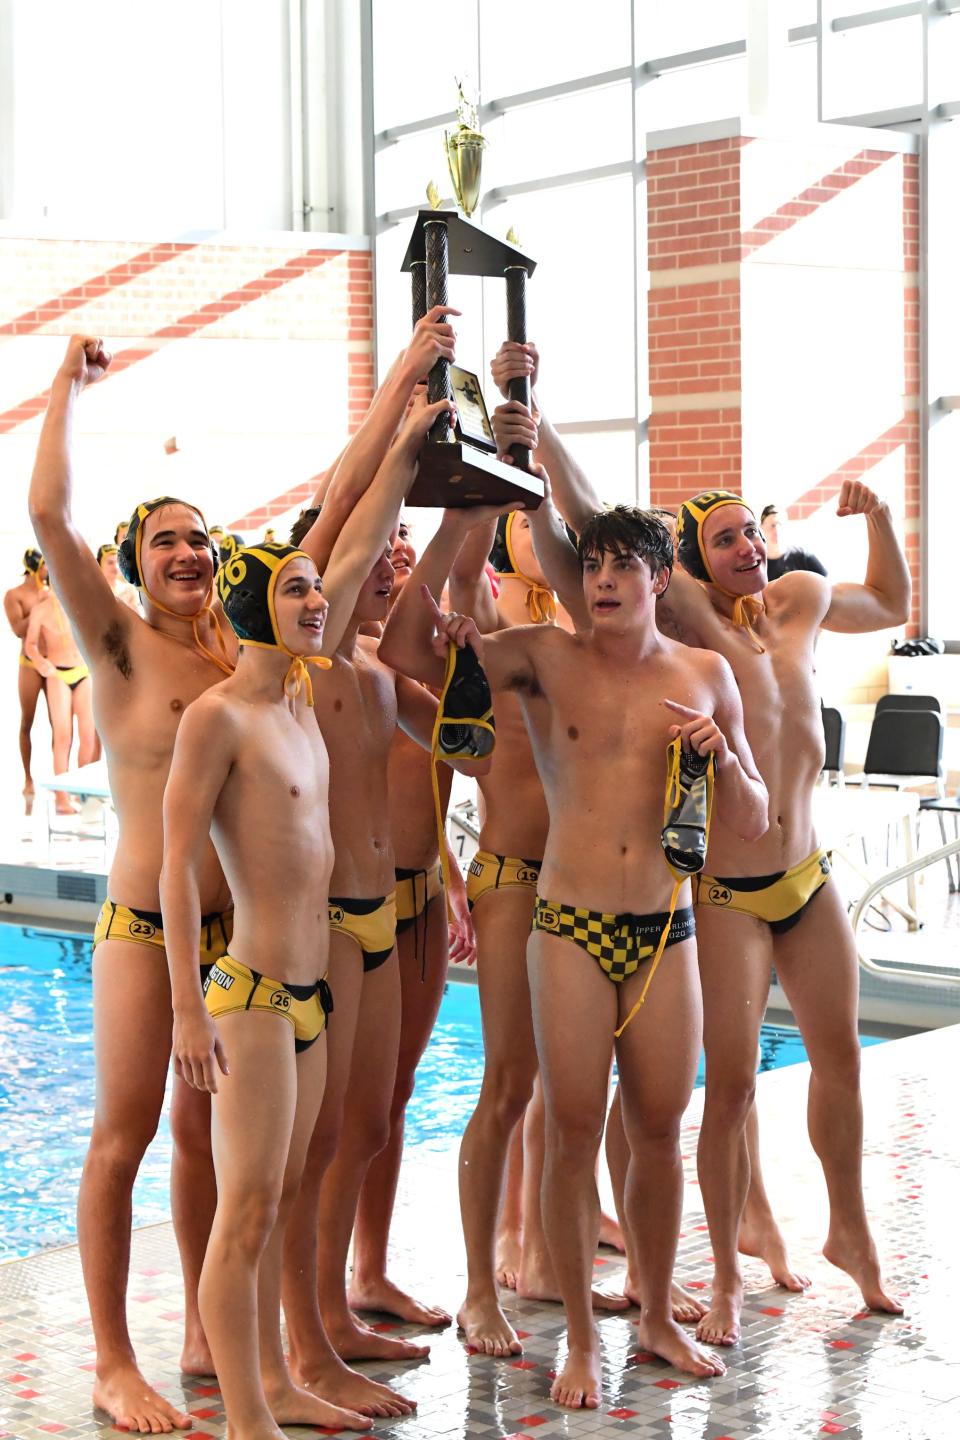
{"x":618,"y":943}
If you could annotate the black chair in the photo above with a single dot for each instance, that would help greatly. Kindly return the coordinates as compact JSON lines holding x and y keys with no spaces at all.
{"x":905,"y":750}
{"x":835,"y":740}
{"x":907,"y":702}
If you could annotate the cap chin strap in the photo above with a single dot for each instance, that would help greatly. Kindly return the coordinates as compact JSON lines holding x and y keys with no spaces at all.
{"x":222,"y":661}
{"x":297,"y":677}
{"x":747,"y":610}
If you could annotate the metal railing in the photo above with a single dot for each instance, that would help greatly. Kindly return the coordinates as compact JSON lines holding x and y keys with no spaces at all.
{"x":876,"y":967}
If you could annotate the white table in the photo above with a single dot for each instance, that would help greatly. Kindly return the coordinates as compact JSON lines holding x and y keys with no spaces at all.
{"x":848,"y":814}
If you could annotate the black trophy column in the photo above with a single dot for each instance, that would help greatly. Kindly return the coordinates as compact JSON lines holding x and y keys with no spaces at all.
{"x":516,"y":278}
{"x":418,"y":275}
{"x":438,"y":381}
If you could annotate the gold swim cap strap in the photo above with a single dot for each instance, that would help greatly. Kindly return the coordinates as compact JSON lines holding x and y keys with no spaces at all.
{"x":747,"y":609}
{"x":657,"y":956}
{"x":297,"y":677}
{"x":222,"y":661}
{"x":540,"y":599}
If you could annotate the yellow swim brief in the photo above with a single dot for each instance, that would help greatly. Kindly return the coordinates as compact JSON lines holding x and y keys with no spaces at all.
{"x":415,"y":889}
{"x":499,"y":872}
{"x":779,"y":899}
{"x":145,"y":927}
{"x":26,"y":661}
{"x":72,"y":675}
{"x":230,"y":987}
{"x":372,"y":924}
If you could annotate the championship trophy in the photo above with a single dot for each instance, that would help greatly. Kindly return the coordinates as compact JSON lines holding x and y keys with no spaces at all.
{"x":458,"y":467}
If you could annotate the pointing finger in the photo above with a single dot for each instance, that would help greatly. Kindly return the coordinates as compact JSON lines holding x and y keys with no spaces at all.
{"x":680,"y":709}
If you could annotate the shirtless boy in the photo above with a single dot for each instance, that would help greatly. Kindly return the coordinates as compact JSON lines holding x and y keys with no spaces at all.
{"x":146,"y":672}
{"x":424,"y":945}
{"x":773,"y":903}
{"x":17,"y":604}
{"x":599,"y":707}
{"x":250,"y":768}
{"x":358,"y":709}
{"x":50,"y":646}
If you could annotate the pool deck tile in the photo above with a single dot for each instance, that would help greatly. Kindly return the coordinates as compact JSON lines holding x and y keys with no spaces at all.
{"x":809,"y":1365}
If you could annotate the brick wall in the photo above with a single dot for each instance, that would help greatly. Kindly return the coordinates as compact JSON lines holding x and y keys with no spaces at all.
{"x":743,"y":394}
{"x":221,"y":340}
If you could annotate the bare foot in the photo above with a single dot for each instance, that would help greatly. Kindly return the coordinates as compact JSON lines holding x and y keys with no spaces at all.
{"x":685,"y":1308}
{"x":611,"y":1234}
{"x":858,"y":1257}
{"x":134,"y":1405}
{"x":766,"y":1242}
{"x":354,"y":1341}
{"x":578,"y":1384}
{"x":721,"y":1324}
{"x":537,"y":1281}
{"x":487,"y":1329}
{"x":666,"y":1339}
{"x":508,"y":1253}
{"x":195,"y":1357}
{"x":28,"y":799}
{"x":64,"y":805}
{"x":291,"y":1405}
{"x":340,"y":1385}
{"x":386,"y":1298}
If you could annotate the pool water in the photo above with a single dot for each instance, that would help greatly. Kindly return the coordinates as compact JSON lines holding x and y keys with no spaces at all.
{"x":46,"y":1087}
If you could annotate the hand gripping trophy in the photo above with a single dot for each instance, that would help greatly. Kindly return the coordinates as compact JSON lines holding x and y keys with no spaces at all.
{"x":460,"y":468}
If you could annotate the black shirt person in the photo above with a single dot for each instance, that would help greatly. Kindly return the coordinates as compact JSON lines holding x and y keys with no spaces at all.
{"x":781,"y":558}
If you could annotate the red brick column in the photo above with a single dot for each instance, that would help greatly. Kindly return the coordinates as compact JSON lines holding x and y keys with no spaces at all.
{"x":707,"y":329}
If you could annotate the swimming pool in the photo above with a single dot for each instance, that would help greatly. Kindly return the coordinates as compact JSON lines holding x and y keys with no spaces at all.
{"x":46,"y":1087}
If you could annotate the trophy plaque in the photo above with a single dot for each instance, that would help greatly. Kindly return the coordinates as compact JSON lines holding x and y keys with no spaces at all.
{"x":460,"y":468}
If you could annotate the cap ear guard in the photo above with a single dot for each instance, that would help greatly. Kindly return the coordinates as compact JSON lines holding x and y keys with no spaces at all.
{"x":127,"y":562}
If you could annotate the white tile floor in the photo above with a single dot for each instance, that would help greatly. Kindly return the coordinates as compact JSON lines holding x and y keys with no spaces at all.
{"x":808,"y":1365}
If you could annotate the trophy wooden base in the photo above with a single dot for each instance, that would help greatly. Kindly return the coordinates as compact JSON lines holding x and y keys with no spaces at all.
{"x":455,"y":476}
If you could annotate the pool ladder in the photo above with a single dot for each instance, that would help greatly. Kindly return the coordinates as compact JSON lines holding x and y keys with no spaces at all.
{"x":903,"y":872}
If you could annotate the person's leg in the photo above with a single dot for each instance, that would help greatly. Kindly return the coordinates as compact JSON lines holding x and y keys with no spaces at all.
{"x":508,"y":1245}
{"x":365,"y":1130}
{"x":60,"y":706}
{"x":87,"y":741}
{"x":313,"y":1362}
{"x":536,"y":1279}
{"x":252,"y":1122}
{"x":502,"y":920}
{"x":29,"y":685}
{"x":131,"y":998}
{"x":735,"y":960}
{"x":760,"y":1236}
{"x":422,"y":954}
{"x":657,"y":1058}
{"x":817,"y":965}
{"x":193,"y":1202}
{"x":289,"y":1403}
{"x":574,"y":1014}
{"x":685,"y":1307}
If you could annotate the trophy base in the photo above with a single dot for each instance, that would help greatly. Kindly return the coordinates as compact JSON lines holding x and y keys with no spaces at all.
{"x":456,"y":476}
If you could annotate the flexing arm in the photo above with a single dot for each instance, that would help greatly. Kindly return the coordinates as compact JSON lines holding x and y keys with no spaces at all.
{"x":202,"y":757}
{"x":884,"y":597}
{"x":406,"y":643}
{"x":574,"y":495}
{"x":741,"y":796}
{"x":78,"y":579}
{"x":351,"y":474}
{"x":365,"y":535}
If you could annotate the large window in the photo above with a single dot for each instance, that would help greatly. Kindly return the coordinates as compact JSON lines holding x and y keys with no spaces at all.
{"x":567,"y":98}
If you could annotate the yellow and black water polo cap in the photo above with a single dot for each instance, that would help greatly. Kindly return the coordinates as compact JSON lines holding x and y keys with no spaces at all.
{"x":32,"y":560}
{"x":541,"y":601}
{"x":106,"y":550}
{"x":129,"y":553}
{"x":247,"y":585}
{"x":692,"y":552}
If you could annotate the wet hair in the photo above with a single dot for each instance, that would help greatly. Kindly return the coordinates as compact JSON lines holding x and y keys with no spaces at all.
{"x":303,"y":524}
{"x":768,"y":510}
{"x":625,"y":530}
{"x":662,"y":512}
